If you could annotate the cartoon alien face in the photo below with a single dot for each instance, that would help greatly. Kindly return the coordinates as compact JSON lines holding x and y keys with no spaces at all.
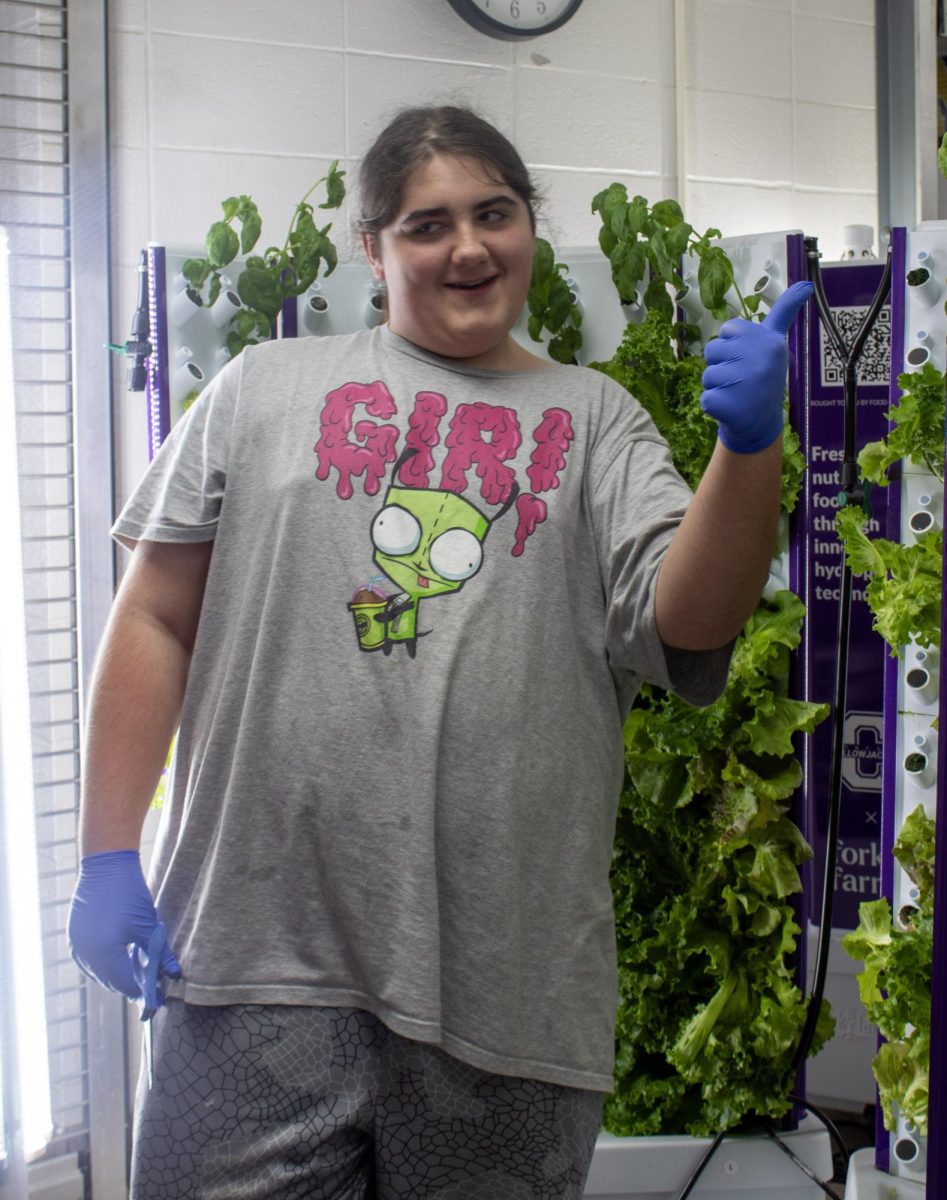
{"x":428,"y":542}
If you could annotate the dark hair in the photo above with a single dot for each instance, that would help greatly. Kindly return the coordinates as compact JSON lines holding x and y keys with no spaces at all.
{"x":416,"y":135}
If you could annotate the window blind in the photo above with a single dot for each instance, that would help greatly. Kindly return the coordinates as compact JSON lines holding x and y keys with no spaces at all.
{"x":34,"y":208}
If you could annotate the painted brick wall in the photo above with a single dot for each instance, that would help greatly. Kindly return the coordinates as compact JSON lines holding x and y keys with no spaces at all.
{"x":215,"y":97}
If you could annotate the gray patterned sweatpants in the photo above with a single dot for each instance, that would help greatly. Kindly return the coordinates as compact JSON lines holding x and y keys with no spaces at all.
{"x":267,"y":1102}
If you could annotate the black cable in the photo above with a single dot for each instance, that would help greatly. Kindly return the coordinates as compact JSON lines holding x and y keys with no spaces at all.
{"x":800,"y":1163}
{"x":831,"y":1127}
{"x":699,"y":1169}
{"x":851,"y":495}
{"x":768,"y":1130}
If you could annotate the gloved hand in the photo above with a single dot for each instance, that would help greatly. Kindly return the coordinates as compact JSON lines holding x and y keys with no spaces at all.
{"x":111,"y":917}
{"x":745,"y":379}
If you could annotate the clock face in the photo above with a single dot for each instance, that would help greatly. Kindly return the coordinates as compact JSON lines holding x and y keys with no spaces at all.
{"x":515,"y":18}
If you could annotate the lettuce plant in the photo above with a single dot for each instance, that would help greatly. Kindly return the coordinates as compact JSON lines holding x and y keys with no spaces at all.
{"x":904,"y":582}
{"x":895,"y":981}
{"x":706,"y":860}
{"x":904,"y":593}
{"x":705,"y":867}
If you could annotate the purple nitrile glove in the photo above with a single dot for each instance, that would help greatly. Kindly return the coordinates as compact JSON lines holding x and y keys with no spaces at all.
{"x":111,"y":917}
{"x":745,"y":379}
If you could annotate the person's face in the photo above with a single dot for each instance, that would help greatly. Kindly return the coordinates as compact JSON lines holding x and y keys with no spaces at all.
{"x":456,"y":261}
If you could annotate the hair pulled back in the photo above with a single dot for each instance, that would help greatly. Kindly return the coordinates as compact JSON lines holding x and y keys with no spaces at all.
{"x":414,"y":136}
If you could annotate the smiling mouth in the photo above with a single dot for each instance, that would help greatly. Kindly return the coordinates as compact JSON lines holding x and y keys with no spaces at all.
{"x":473,"y":285}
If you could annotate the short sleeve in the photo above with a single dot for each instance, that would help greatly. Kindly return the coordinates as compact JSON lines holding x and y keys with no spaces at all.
{"x":637,"y":506}
{"x":180,"y":496}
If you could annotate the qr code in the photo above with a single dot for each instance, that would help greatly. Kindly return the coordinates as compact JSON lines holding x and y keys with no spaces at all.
{"x":874,"y":364}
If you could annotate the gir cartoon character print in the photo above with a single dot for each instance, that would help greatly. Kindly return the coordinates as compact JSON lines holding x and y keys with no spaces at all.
{"x":428,"y":541}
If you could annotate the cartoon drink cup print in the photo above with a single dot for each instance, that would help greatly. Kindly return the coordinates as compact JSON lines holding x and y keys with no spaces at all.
{"x":367,"y":603}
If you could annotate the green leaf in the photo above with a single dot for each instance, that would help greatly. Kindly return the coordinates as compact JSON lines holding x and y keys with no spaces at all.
{"x":221,"y":244}
{"x":335,"y":187}
{"x":873,"y":932}
{"x":918,"y":432}
{"x":660,"y":260}
{"x":776,"y":850}
{"x":904,"y":581}
{"x":658,"y":298}
{"x":903,"y":1084}
{"x":668,"y":213}
{"x":607,"y":241}
{"x":236,"y":344}
{"x":677,"y":240}
{"x":250,"y":230}
{"x":259,"y":289}
{"x":714,"y":277}
{"x":552,"y":305}
{"x":611,"y":199}
{"x":543,"y":261}
{"x":560,"y":305}
{"x":563,"y":346}
{"x":772,"y":731}
{"x":695,"y":1034}
{"x":637,"y":220}
{"x":330,"y":255}
{"x":244,"y":323}
{"x":914,"y":850}
{"x":195,"y":271}
{"x":629,"y":263}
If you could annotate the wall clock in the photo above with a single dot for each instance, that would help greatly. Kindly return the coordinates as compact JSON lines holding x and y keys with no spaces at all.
{"x":513,"y":19}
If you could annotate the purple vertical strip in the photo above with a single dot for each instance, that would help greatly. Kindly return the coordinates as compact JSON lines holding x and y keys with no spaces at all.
{"x":798,"y":419}
{"x":892,"y":531}
{"x":289,"y":317}
{"x":159,"y":382}
{"x":937,"y":1112}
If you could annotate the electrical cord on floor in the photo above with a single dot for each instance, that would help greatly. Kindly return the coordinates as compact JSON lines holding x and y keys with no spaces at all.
{"x":851,"y":494}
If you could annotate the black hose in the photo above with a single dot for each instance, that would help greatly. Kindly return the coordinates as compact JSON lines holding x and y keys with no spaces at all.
{"x":833,"y":1130}
{"x":851,"y":494}
{"x":801,"y":1164}
{"x":699,"y":1170}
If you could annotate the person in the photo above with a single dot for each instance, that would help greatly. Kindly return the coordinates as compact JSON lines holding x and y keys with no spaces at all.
{"x":396,"y":590}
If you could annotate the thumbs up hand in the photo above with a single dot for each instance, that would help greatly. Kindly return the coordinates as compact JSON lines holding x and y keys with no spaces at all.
{"x":745,"y":379}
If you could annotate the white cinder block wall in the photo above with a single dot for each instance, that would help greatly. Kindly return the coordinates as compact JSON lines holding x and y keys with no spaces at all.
{"x":211,"y":98}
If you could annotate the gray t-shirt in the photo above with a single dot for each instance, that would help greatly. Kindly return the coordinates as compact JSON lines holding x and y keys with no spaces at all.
{"x":400,"y":754}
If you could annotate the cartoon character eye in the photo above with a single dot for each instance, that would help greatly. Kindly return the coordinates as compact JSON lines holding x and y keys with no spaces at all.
{"x":456,"y":554}
{"x":395,"y":531}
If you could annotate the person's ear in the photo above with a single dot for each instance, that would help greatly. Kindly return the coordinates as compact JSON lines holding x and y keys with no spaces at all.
{"x":372,"y":253}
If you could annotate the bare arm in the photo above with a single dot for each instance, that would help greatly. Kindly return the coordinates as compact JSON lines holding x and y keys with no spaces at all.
{"x":714,"y":570}
{"x":137,"y":690}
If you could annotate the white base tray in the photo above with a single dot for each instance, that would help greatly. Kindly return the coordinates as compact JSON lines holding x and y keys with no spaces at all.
{"x":743,"y":1168}
{"x":865,"y":1182}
